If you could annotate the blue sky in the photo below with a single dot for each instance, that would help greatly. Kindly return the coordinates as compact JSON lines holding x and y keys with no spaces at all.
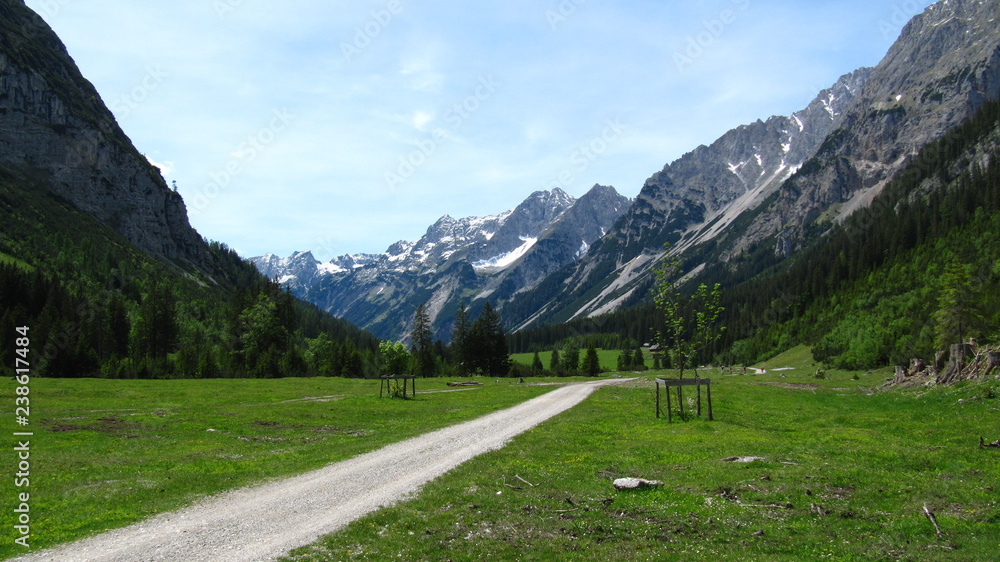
{"x":342,"y":127}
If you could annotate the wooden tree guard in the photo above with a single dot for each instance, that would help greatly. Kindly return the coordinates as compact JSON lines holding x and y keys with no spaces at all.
{"x":667,"y":383}
{"x":385,"y":381}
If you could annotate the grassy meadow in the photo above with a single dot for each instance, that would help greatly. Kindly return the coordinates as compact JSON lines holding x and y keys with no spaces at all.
{"x":844,"y":471}
{"x":107,"y":453}
{"x":607,"y":357}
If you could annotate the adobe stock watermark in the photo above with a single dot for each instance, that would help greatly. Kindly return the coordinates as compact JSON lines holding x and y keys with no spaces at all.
{"x":902,"y":13}
{"x":562,"y":12}
{"x":123,"y":107}
{"x":455,"y":117}
{"x":585,"y":155}
{"x":248,"y":151}
{"x":365,"y":35}
{"x":697,"y":45}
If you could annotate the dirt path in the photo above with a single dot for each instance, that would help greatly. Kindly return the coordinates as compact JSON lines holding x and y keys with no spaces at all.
{"x":267,"y":521}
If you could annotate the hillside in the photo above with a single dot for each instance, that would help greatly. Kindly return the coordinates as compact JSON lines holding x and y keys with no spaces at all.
{"x":762,"y":192}
{"x":97,"y":256}
{"x":904,"y":278}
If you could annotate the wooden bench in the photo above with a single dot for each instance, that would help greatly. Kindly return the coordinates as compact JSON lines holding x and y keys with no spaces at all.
{"x":667,"y":383}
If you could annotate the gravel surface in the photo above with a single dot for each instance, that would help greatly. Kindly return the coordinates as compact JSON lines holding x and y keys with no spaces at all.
{"x":267,"y":521}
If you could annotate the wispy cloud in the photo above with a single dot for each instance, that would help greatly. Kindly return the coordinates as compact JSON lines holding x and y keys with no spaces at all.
{"x":370,"y":82}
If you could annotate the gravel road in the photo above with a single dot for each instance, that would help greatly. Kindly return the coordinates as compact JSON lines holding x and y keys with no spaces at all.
{"x":269,"y":520}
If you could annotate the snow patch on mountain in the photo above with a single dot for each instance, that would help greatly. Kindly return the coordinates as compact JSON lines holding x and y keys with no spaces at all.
{"x":505,"y":260}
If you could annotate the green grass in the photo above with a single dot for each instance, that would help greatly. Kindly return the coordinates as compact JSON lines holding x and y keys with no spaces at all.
{"x":845,"y":471}
{"x":11,"y":260}
{"x":845,"y":475}
{"x":108,"y":453}
{"x":608,"y":358}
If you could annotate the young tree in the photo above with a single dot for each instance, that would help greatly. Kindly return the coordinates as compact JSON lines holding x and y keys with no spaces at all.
{"x":393,"y":358}
{"x":668,"y":299}
{"x":555,"y":363}
{"x":706,"y":329}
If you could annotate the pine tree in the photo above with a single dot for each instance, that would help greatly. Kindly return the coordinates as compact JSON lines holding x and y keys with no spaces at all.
{"x":156,"y":330}
{"x":460,"y":340}
{"x":536,"y":364}
{"x":555,"y":363}
{"x":488,"y":344}
{"x":591,"y":363}
{"x":422,"y":343}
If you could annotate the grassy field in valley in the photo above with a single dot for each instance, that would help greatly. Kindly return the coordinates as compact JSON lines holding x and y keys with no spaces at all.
{"x":106,"y":453}
{"x":608,"y":358}
{"x":844,"y":473}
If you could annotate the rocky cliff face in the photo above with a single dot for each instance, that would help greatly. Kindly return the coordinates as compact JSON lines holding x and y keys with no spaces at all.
{"x":945,"y":64}
{"x":54,"y":128}
{"x":457,"y":261}
{"x":689,"y":202}
{"x":773,"y":184}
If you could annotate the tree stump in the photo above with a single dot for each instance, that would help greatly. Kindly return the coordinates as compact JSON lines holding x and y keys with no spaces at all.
{"x":901,"y":375}
{"x":956,"y":363}
{"x":992,"y":363}
{"x":940,"y":359}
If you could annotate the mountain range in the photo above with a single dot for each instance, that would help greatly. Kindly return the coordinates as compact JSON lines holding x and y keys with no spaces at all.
{"x":763,"y":189}
{"x":457,"y":261}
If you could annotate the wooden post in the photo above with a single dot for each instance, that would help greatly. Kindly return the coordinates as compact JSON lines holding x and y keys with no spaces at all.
{"x":708,"y":388}
{"x":670,"y":418}
{"x":680,"y":402}
{"x":658,"y":398}
{"x":699,"y":396}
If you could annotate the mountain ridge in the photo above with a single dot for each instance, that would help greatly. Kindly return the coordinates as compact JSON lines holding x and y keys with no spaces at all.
{"x":457,"y":261}
{"x":944,"y":65}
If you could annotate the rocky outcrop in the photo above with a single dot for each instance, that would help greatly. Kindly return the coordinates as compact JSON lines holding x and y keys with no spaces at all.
{"x":55,"y":128}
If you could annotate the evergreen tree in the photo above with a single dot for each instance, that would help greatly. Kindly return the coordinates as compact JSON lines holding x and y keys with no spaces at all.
{"x":955,"y":305}
{"x":638,"y":359}
{"x":536,"y":363}
{"x":591,"y":362}
{"x":422,"y":345}
{"x":555,"y":363}
{"x":460,"y":340}
{"x":624,"y":360}
{"x":156,"y":330}
{"x":488,"y":344}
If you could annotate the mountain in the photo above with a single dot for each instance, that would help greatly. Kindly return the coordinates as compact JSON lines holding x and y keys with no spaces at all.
{"x":457,"y":261}
{"x":53,"y":124}
{"x":98,"y":259}
{"x":762,"y":191}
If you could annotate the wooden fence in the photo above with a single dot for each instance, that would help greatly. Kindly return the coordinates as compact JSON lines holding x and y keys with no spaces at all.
{"x":668,"y":383}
